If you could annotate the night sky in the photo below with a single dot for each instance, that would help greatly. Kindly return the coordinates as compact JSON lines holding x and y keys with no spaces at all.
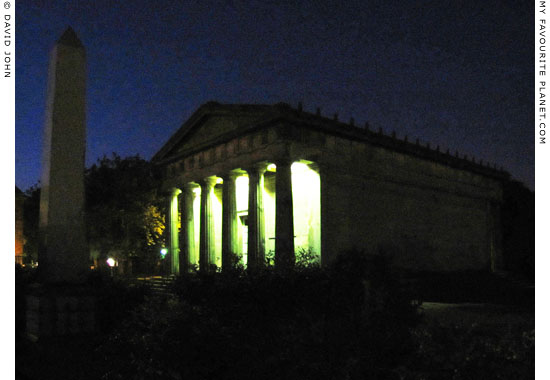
{"x":458,"y":74}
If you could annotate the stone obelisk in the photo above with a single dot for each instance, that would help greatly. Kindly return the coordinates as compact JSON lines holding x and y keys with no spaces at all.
{"x":61,"y":304}
{"x":63,"y":253}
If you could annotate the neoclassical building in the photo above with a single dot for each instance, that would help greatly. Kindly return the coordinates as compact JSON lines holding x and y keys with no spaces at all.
{"x":248,"y":182}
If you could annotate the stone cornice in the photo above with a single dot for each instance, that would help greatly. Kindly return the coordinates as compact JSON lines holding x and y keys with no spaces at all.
{"x":281,"y":113}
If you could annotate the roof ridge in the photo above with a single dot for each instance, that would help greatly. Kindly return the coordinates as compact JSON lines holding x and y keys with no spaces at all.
{"x":427,"y":149}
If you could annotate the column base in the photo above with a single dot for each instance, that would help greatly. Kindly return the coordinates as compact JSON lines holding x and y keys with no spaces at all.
{"x":60,"y":310}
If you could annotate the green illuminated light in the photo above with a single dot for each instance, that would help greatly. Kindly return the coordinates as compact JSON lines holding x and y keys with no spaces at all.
{"x":299,"y":167}
{"x":241,"y":185}
{"x":306,"y":200}
{"x":194,"y":251}
{"x":217,"y":221}
{"x":174,"y":227}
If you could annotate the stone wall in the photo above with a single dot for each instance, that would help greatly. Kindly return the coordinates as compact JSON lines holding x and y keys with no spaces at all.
{"x":424,"y":215}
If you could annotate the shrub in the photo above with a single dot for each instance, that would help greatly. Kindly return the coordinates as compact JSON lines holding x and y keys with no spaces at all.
{"x":349,"y":320}
{"x":472,"y":352}
{"x":115,"y":298}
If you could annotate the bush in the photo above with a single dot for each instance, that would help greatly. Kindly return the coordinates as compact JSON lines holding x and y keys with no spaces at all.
{"x":472,"y":352}
{"x":350,"y":320}
{"x":116,"y":299}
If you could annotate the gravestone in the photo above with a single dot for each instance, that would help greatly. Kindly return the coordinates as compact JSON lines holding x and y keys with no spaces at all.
{"x":61,"y":303}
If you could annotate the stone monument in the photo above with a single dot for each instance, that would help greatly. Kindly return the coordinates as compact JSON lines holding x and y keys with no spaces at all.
{"x":61,"y":303}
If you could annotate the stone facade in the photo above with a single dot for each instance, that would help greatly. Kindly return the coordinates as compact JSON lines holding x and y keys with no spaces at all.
{"x":427,"y":209}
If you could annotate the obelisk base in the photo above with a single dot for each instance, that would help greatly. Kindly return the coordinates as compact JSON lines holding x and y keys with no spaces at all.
{"x":60,"y":310}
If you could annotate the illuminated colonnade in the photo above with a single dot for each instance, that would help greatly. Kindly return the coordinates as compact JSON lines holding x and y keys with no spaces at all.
{"x":240,"y":216}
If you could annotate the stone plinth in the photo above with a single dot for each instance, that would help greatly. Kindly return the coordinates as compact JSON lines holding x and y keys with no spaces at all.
{"x":56,"y":310}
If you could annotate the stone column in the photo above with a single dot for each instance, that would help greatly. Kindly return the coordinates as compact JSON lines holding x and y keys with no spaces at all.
{"x":325,"y":215}
{"x":206,"y":252}
{"x":284,"y":218}
{"x":256,"y":229}
{"x":187,"y":233}
{"x":173,"y":233}
{"x":229,"y":221}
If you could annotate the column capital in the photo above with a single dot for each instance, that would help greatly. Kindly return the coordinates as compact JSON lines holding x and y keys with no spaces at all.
{"x":189,"y":187}
{"x":169,"y":192}
{"x":257,"y":168}
{"x":231,"y":174}
{"x":283,"y":161}
{"x":208,"y":182}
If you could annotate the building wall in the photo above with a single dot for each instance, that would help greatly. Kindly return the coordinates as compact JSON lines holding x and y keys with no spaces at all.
{"x":424,"y":215}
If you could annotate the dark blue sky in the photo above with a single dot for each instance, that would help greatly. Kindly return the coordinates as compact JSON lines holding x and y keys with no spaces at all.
{"x":458,"y":74}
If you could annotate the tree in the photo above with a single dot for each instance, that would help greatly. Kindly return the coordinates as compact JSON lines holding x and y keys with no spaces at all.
{"x":124,"y":215}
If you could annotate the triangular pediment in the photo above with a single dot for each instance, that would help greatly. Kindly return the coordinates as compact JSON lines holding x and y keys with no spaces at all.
{"x":212,"y":122}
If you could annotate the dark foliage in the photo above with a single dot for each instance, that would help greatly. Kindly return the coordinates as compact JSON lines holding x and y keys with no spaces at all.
{"x":351,"y":320}
{"x":116,"y":299}
{"x":472,"y":352}
{"x":121,"y":200}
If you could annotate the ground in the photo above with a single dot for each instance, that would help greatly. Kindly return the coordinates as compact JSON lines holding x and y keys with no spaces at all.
{"x":453,"y":340}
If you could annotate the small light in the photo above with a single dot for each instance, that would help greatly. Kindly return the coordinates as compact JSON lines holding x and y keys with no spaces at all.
{"x":163,"y":252}
{"x":271,"y":168}
{"x":219,"y":180}
{"x":111,"y":262}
